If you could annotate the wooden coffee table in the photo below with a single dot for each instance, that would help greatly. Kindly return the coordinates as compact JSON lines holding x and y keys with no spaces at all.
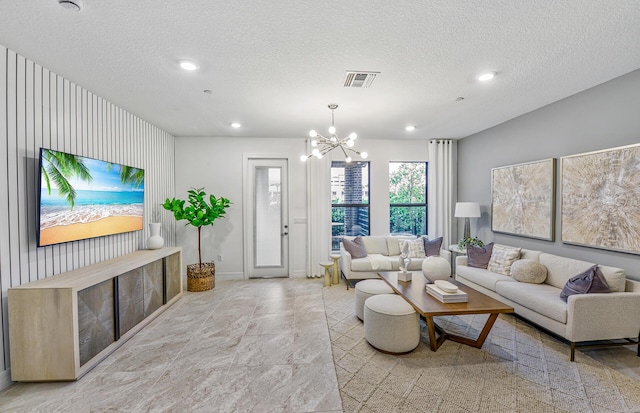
{"x":414,"y":292}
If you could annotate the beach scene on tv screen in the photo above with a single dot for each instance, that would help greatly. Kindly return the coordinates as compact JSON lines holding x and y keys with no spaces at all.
{"x":83,"y":198}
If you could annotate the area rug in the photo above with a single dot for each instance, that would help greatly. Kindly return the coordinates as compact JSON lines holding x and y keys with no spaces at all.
{"x":519,"y":369}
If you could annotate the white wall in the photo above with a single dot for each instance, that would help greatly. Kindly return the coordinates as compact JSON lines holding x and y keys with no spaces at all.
{"x":216,"y":164}
{"x":41,"y":109}
{"x":604,"y":116}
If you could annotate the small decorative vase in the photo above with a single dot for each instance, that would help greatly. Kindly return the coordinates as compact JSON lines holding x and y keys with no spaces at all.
{"x":155,"y":241}
{"x":436,"y":268}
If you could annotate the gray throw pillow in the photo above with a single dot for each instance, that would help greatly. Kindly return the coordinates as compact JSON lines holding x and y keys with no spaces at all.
{"x":432,"y":247}
{"x":356,"y":247}
{"x":479,"y":257}
{"x":589,"y":281}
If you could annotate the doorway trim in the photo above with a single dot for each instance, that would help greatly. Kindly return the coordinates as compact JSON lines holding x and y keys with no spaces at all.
{"x":247,"y":209}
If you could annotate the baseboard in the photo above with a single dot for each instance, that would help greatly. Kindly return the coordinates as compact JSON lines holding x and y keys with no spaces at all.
{"x":299,"y":274}
{"x":5,"y":379}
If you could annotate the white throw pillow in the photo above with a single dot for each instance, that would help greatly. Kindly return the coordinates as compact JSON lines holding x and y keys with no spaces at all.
{"x":502,"y":257}
{"x":416,"y":248}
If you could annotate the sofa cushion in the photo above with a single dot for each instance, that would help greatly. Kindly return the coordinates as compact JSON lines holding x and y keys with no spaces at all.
{"x":416,"y":248}
{"x":393,"y":245}
{"x":541,"y":298}
{"x":587,"y":282}
{"x":375,"y":262}
{"x":560,"y":269}
{"x":502,"y":257}
{"x":479,"y":257}
{"x":355,"y":247}
{"x":615,"y":278}
{"x":482,"y":277}
{"x":432,"y":247}
{"x":376,"y":244}
{"x":526,"y":254}
{"x":528,"y":271}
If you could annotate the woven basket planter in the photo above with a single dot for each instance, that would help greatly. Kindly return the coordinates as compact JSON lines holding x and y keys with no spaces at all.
{"x":201,"y":278}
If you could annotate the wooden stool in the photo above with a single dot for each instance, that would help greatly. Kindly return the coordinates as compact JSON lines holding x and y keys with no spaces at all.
{"x":327,"y":276}
{"x":336,"y":270}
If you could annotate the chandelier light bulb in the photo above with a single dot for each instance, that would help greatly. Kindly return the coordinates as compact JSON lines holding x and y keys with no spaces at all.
{"x":320,"y":145}
{"x":364,"y":155}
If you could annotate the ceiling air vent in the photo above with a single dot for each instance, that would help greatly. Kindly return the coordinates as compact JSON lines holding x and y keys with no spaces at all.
{"x":360,"y":79}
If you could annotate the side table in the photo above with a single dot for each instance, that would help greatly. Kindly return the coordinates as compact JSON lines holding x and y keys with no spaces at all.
{"x":336,"y":270}
{"x":455,"y":251}
{"x":327,"y":277}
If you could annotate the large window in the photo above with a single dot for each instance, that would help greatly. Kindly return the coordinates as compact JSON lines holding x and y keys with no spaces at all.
{"x":349,"y":200}
{"x":408,"y":198}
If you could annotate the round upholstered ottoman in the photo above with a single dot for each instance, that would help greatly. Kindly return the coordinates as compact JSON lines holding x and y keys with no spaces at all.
{"x":391,"y":324}
{"x":366,"y":289}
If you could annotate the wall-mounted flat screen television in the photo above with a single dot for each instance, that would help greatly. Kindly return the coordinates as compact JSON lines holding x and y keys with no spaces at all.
{"x":84,"y":198}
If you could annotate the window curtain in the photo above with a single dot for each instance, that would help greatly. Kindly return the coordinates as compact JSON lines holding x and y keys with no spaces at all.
{"x":442,"y":190}
{"x":318,"y":212}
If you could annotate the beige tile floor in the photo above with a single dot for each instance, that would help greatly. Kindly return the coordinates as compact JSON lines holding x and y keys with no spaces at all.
{"x":246,"y":346}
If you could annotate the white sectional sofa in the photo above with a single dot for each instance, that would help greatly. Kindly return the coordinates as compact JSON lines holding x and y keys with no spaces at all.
{"x":382,"y":255}
{"x":583,"y":318}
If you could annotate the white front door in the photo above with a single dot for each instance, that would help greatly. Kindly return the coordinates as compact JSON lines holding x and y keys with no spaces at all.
{"x":266,"y":218}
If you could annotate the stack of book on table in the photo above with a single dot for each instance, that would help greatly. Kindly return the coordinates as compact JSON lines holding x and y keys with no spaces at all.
{"x":446,"y":297}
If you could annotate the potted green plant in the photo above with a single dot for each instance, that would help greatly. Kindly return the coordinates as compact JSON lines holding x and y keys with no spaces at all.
{"x":199,"y":212}
{"x":462,"y":244}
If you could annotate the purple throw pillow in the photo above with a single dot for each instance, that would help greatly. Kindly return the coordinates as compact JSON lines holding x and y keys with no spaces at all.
{"x":355,"y":248}
{"x":589,"y":281}
{"x":432,"y":247}
{"x":479,"y":257}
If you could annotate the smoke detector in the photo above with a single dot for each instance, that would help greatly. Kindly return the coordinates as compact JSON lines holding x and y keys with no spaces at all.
{"x":73,"y":5}
{"x":359,"y":79}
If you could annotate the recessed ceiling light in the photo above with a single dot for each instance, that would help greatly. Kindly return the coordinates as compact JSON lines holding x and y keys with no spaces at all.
{"x":187,"y":65}
{"x":73,"y":5}
{"x":409,"y":128}
{"x":236,"y":125}
{"x":486,"y":76}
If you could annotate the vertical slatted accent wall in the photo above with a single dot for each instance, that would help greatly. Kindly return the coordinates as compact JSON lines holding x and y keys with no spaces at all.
{"x":40,"y":109}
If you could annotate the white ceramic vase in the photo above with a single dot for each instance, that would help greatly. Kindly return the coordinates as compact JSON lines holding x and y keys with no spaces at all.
{"x":436,"y":268}
{"x":155,"y":241}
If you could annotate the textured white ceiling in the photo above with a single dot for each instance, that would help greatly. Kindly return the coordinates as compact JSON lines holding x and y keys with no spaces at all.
{"x":275,"y":65}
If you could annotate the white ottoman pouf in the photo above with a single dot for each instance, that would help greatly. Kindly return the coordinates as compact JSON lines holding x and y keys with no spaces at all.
{"x":391,"y":324}
{"x":366,"y":289}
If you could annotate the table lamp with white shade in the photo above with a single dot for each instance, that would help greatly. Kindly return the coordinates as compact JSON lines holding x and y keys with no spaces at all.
{"x":467,"y":210}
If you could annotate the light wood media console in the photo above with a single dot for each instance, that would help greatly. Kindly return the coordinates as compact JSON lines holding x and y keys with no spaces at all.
{"x":62,"y":326}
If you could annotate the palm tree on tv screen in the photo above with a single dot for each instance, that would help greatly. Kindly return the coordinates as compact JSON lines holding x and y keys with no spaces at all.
{"x":59,"y":167}
{"x":131,"y":175}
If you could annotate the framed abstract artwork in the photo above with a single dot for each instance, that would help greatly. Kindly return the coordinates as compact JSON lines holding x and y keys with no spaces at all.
{"x":523,"y":199}
{"x":601,"y":199}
